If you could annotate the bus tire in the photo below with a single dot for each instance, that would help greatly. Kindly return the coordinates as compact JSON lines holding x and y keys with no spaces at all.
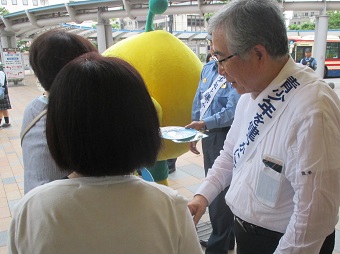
{"x":325,"y":72}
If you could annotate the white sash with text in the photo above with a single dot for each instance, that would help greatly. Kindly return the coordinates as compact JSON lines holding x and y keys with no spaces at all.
{"x":209,"y":94}
{"x":271,"y":105}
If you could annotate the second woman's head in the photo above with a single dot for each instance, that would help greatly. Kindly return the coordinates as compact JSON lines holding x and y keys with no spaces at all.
{"x":101,"y":120}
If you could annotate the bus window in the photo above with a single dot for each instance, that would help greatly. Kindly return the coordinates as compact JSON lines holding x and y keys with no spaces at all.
{"x":332,"y":56}
{"x":332,"y":50}
{"x":300,"y":52}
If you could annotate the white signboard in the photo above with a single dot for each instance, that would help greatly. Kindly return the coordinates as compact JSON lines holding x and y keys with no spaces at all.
{"x":12,"y":61}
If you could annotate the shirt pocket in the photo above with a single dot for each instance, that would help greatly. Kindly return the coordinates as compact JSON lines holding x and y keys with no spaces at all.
{"x":268,"y":186}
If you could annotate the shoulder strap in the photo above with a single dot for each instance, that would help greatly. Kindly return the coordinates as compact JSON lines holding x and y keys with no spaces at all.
{"x":34,"y":121}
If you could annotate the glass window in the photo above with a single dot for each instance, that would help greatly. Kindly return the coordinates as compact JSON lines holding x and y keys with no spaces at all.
{"x":14,"y":2}
{"x":35,"y":2}
{"x":332,"y":50}
{"x":25,"y":2}
{"x":4,"y":2}
{"x":300,"y":52}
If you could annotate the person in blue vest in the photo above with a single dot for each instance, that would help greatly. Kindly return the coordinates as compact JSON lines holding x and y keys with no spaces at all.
{"x":309,"y":60}
{"x":213,"y":112}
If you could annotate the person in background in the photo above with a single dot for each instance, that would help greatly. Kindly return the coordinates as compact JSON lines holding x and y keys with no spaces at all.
{"x":48,"y":54}
{"x":208,"y":58}
{"x":5,"y":103}
{"x":103,"y":208}
{"x":309,"y":60}
{"x":281,"y":155}
{"x":213,"y":111}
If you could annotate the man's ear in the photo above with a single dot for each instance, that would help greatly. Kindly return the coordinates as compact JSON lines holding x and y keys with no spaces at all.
{"x":259,"y":51}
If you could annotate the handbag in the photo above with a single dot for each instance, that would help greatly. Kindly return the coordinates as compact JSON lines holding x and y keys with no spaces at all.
{"x":2,"y":92}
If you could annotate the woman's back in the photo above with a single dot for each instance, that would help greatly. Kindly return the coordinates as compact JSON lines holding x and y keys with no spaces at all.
{"x":40,"y":168}
{"x":119,"y":214}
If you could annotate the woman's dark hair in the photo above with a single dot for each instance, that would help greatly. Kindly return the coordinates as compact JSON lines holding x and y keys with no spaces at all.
{"x":101,"y":120}
{"x":52,"y":50}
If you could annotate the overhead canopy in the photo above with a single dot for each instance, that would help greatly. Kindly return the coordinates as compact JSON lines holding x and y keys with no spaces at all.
{"x":29,"y":22}
{"x":186,"y":36}
{"x":123,"y":34}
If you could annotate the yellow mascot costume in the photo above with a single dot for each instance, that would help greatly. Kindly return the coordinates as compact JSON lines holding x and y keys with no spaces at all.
{"x":171,"y":72}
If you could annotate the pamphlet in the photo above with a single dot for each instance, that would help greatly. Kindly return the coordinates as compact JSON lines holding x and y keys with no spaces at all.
{"x":180,"y":134}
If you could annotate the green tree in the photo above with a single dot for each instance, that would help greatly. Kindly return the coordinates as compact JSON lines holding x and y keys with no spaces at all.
{"x":334,"y":19}
{"x":307,"y":26}
{"x":207,"y":16}
{"x":114,"y":23}
{"x":3,"y":11}
{"x":294,"y":27}
{"x":303,"y":26}
{"x":333,"y":22}
{"x":23,"y":45}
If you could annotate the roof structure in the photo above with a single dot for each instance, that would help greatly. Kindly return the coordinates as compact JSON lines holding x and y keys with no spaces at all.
{"x":28,"y":23}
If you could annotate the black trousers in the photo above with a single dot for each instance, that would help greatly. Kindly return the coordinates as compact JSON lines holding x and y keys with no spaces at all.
{"x":252,"y":239}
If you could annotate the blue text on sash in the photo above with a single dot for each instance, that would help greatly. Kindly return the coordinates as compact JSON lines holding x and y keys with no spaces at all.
{"x":267,"y":109}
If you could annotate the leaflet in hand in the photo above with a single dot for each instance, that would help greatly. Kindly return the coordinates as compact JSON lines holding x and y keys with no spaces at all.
{"x":180,"y":134}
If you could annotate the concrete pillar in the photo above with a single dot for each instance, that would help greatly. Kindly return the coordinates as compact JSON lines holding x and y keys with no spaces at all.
{"x":320,"y":42}
{"x":108,"y":34}
{"x":198,"y":50}
{"x":101,"y":40}
{"x":7,"y":40}
{"x":104,"y":32}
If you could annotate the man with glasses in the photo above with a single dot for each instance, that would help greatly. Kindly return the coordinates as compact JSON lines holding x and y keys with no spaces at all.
{"x":281,"y":155}
{"x":213,"y":111}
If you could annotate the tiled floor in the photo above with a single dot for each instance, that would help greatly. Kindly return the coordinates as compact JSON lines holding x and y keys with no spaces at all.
{"x":186,"y":179}
{"x":11,"y":167}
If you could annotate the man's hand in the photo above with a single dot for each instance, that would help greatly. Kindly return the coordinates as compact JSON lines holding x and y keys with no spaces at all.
{"x":192,"y":146}
{"x":197,"y":207}
{"x":197,"y":125}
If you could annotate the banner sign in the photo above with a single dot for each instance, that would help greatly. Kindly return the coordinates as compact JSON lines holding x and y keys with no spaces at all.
{"x":12,"y":61}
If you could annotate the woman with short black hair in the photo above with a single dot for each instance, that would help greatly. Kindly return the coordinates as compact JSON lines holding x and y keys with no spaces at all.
{"x":101,"y":120}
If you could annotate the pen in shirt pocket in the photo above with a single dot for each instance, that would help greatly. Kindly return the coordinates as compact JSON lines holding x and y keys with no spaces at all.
{"x":273,"y":163}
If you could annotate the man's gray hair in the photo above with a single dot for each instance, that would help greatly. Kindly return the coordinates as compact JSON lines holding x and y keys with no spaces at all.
{"x":247,"y":23}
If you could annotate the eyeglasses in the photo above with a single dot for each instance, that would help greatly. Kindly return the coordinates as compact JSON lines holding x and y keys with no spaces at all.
{"x":223,"y":60}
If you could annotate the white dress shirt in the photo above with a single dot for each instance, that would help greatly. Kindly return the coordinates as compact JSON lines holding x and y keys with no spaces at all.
{"x":303,"y":200}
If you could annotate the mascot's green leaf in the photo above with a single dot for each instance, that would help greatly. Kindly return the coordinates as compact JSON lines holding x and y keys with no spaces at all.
{"x":155,"y":7}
